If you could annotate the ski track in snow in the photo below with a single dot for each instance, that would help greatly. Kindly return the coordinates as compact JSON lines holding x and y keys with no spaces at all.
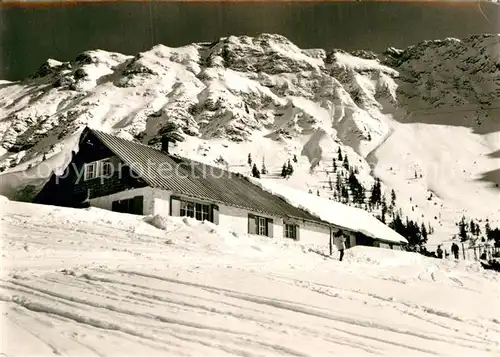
{"x":98,"y":283}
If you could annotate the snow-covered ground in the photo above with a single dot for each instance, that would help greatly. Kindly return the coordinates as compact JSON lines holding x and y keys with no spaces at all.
{"x":94,"y":282}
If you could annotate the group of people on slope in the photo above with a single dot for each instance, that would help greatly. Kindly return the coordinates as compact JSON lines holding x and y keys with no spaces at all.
{"x":454,"y":250}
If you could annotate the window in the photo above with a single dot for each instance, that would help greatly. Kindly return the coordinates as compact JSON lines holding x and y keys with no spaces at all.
{"x":97,"y":169}
{"x":202,"y":212}
{"x":260,"y":225}
{"x":291,"y":231}
{"x":106,"y":168}
{"x":187,"y":209}
{"x":90,"y":171}
{"x":198,"y":211}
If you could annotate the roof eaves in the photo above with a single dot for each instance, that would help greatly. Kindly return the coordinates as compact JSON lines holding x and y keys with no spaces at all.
{"x":390,"y":241}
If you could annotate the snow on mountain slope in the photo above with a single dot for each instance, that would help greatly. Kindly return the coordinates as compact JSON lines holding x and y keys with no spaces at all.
{"x":451,"y":170}
{"x":431,"y":108}
{"x":94,"y":282}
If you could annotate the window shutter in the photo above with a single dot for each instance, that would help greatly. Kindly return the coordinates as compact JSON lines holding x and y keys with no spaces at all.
{"x":297,"y":232}
{"x":175,"y":206}
{"x":270,"y":227}
{"x":137,"y":205}
{"x":252,"y":225}
{"x":215,"y":214}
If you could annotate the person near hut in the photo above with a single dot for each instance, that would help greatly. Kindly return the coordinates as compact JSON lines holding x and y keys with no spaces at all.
{"x":455,"y":249}
{"x":339,"y":242}
{"x":439,"y":252}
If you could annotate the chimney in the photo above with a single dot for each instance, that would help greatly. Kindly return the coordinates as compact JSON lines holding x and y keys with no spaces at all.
{"x":164,"y":145}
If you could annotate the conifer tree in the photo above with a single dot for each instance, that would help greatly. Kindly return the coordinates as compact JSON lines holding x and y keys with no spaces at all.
{"x":478,"y":230}
{"x":289,"y":168}
{"x":330,"y":183}
{"x":376,"y":192}
{"x":295,"y":158}
{"x":334,"y":165}
{"x":462,"y":230}
{"x":339,"y":154}
{"x":472,"y":227}
{"x":487,"y":228}
{"x":424,"y":233}
{"x":384,"y":209}
{"x":171,"y":132}
{"x":263,"y":170}
{"x":398,"y":225}
{"x":249,"y":160}
{"x":284,"y":171}
{"x":338,"y":183}
{"x":393,"y":200}
{"x":356,"y":188}
{"x":346,"y":163}
{"x":345,"y":194}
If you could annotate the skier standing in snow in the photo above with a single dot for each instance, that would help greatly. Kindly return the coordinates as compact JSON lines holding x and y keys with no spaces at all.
{"x":454,"y":250}
{"x":339,"y":241}
{"x":439,"y":252}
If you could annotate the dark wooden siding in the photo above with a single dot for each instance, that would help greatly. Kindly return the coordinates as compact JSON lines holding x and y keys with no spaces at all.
{"x":71,"y":189}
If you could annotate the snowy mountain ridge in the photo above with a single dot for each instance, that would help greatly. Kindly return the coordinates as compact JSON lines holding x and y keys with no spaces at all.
{"x":423,"y":119}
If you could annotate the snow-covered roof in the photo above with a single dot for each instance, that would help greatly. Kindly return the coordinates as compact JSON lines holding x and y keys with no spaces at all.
{"x":336,"y":213}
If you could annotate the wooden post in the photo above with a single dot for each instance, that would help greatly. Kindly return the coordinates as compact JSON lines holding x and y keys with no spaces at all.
{"x":330,"y":242}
